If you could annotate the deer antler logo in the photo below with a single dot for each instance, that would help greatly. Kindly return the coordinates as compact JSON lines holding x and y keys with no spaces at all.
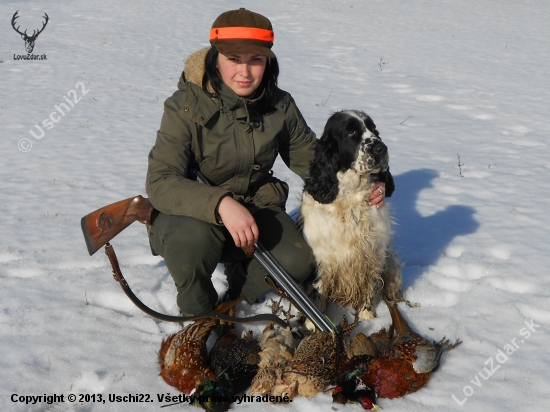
{"x":29,"y":40}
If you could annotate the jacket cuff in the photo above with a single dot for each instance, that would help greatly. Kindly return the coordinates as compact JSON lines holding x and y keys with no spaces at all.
{"x":217,"y":216}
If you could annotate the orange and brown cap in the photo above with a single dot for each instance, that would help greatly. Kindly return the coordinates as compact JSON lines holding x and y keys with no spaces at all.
{"x":242,"y":31}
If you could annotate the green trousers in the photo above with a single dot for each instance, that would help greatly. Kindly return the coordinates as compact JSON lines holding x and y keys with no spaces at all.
{"x":192,"y":249}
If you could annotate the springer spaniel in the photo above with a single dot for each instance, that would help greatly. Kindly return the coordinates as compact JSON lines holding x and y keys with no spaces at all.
{"x":356,"y":267}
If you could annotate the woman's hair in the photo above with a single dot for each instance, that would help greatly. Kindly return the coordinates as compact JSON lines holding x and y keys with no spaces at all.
{"x":212,"y":76}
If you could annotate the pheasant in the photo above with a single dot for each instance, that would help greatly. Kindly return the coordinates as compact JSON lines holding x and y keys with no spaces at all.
{"x":235,"y":362}
{"x":278,"y":346}
{"x":360,"y":353}
{"x":407,"y":363}
{"x":349,"y":393}
{"x":215,"y":394}
{"x":238,"y":358}
{"x":315,"y":362}
{"x":183,"y":357}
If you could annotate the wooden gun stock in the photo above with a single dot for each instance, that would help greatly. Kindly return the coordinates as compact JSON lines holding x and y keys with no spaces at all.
{"x":101,"y":226}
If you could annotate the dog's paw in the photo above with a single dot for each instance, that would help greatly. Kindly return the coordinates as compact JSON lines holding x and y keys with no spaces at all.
{"x":367,"y":314}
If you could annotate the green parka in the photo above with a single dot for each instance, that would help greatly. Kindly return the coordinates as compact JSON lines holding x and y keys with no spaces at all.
{"x":233,"y":141}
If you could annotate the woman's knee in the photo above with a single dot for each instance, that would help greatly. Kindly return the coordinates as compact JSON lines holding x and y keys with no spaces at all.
{"x":300,"y":264}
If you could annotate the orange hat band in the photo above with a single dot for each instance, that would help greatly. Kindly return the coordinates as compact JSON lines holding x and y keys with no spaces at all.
{"x":242,"y":33}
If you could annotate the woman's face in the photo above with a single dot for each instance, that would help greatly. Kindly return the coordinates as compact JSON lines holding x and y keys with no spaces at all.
{"x":242,"y":72}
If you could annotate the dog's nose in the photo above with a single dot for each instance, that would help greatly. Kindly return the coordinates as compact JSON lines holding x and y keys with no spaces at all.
{"x":380,"y":148}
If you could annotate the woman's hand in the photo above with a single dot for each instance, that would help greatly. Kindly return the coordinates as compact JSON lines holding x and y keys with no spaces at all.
{"x":377,"y":195}
{"x":239,"y":222}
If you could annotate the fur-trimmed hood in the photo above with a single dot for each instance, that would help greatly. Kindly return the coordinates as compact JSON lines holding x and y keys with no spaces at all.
{"x":194,"y":68}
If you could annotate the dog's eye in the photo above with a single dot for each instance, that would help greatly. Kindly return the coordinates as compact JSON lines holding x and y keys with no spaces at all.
{"x":352,"y":133}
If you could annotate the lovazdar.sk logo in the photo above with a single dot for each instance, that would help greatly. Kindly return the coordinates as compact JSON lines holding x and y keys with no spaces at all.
{"x":29,"y":39}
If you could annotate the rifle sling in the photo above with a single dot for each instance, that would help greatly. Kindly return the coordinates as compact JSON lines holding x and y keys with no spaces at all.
{"x":117,"y":274}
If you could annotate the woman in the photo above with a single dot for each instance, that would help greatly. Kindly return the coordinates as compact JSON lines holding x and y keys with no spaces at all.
{"x":230,"y":121}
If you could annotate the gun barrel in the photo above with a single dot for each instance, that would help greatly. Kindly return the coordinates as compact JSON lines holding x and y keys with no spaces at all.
{"x":287,"y":283}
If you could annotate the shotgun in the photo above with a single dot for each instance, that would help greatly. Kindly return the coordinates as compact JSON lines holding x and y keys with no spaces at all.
{"x":104,"y":224}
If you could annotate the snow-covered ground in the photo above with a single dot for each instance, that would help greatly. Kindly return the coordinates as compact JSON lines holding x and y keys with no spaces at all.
{"x":459,"y":91}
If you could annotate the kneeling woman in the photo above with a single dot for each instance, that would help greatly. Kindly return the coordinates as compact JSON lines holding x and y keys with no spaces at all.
{"x":229,"y":120}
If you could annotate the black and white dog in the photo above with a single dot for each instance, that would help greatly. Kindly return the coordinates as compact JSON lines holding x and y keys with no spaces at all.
{"x":350,"y":239}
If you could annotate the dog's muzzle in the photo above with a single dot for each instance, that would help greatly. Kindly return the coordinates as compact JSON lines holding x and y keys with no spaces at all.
{"x":375,"y":156}
{"x":379,"y":148}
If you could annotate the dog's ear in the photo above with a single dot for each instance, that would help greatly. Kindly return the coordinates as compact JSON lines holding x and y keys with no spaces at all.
{"x":371,"y":126}
{"x":322,"y":182}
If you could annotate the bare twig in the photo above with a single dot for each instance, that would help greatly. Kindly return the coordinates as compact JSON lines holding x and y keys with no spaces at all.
{"x":410,"y":117}
{"x":325,"y":102}
{"x":460,"y":166}
{"x":116,"y":378}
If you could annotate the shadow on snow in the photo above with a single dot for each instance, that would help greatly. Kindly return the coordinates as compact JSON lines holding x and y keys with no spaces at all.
{"x":421,"y":240}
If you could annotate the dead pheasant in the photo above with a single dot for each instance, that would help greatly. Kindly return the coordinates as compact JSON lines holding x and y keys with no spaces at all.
{"x":183,"y":357}
{"x":315,"y":362}
{"x":278,"y":346}
{"x":349,"y":393}
{"x":360,"y":353}
{"x":408,"y":362}
{"x":235,"y":363}
{"x":238,"y":358}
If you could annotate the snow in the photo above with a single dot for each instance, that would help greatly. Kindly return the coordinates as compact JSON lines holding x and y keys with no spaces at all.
{"x":460,"y":95}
